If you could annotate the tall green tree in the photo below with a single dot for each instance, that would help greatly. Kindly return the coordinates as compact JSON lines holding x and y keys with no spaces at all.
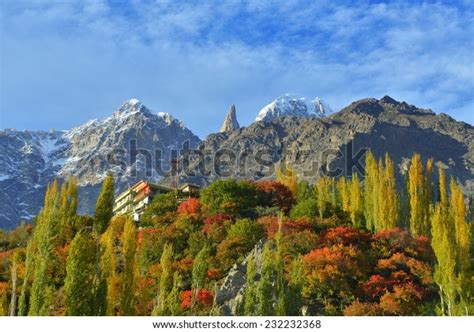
{"x":265,"y":292}
{"x":166,"y":281}
{"x":46,"y":235}
{"x":129,"y":247}
{"x":104,"y":206}
{"x":250,"y":302}
{"x":80,"y":269}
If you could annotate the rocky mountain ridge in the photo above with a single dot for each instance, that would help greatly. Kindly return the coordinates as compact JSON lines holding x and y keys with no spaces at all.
{"x":135,"y":143}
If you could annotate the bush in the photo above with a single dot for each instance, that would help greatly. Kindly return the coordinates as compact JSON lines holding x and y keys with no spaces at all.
{"x":232,"y":197}
{"x":307,"y":208}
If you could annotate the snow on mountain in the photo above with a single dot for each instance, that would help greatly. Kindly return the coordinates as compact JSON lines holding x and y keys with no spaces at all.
{"x":293,"y":105}
{"x":31,"y":159}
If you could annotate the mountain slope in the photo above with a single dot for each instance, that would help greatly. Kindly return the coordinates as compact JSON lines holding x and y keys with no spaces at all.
{"x":313,"y":146}
{"x":29,"y":160}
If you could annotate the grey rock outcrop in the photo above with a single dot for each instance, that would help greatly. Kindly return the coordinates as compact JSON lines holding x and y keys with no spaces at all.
{"x":230,"y":122}
{"x":31,"y":159}
{"x":335,"y":144}
{"x":230,"y":295}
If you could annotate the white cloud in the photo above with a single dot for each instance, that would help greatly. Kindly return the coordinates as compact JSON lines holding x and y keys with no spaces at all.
{"x":74,"y":62}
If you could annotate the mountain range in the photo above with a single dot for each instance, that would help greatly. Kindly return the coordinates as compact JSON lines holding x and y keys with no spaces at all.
{"x":135,"y":143}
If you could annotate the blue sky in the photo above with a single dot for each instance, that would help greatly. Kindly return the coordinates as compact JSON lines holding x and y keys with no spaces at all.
{"x":65,"y":62}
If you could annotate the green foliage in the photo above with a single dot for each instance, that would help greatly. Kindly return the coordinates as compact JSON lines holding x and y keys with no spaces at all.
{"x":129,"y":240}
{"x":80,"y":271}
{"x":250,"y":302}
{"x":229,"y":197}
{"x":305,"y":208}
{"x":161,"y":211}
{"x":104,"y":206}
{"x":166,"y":281}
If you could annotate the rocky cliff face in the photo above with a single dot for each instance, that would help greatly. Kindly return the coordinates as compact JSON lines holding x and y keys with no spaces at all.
{"x":133,"y":143}
{"x":230,"y":122}
{"x":335,"y":145}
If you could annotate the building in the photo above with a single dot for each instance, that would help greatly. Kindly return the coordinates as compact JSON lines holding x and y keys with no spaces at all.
{"x":134,"y":200}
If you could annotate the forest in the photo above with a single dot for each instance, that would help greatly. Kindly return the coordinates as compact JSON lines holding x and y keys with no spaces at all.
{"x":364,"y":245}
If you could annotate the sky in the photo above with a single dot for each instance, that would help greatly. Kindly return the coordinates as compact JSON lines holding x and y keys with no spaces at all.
{"x":66,"y":62}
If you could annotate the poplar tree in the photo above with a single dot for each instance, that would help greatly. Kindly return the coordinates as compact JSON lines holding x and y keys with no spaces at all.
{"x":371,"y":175}
{"x":387,"y":213}
{"x":451,"y":245}
{"x":80,"y":268}
{"x":129,"y":246}
{"x":199,"y":273}
{"x":46,"y":260}
{"x":355,"y":201}
{"x":265,"y":295}
{"x":344,"y":194}
{"x":104,"y":206}
{"x":324,"y":194}
{"x":166,"y":281}
{"x":250,"y":302}
{"x":419,"y":190}
{"x":294,"y":301}
{"x":279,"y":270}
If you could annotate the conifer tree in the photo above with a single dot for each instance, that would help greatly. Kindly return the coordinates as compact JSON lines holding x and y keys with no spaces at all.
{"x":104,"y":206}
{"x":129,"y":242}
{"x":80,"y":268}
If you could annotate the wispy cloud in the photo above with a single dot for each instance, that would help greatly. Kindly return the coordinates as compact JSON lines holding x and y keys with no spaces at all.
{"x":72,"y":61}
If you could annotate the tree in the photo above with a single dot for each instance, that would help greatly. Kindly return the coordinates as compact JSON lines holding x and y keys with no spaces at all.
{"x":250,"y":302}
{"x":370,"y":191}
{"x":161,"y":211}
{"x":355,"y":201}
{"x":419,"y":190}
{"x":129,"y":241}
{"x":387,"y":214}
{"x":80,"y":271}
{"x":274,"y":194}
{"x":265,"y":294}
{"x":451,"y":245}
{"x":294,"y":299}
{"x":200,"y":268}
{"x":344,"y":195}
{"x":166,"y":281}
{"x":46,"y":235}
{"x":325,"y":189}
{"x":289,"y":178}
{"x":104,"y":206}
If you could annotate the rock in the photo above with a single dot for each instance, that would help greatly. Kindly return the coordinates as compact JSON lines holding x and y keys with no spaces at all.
{"x":31,"y":159}
{"x":230,"y":295}
{"x":230,"y":122}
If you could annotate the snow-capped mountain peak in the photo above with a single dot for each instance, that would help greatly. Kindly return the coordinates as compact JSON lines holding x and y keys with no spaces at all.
{"x":293,"y":105}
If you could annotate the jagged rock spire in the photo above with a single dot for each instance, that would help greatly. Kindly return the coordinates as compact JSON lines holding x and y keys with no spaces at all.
{"x":230,"y":121}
